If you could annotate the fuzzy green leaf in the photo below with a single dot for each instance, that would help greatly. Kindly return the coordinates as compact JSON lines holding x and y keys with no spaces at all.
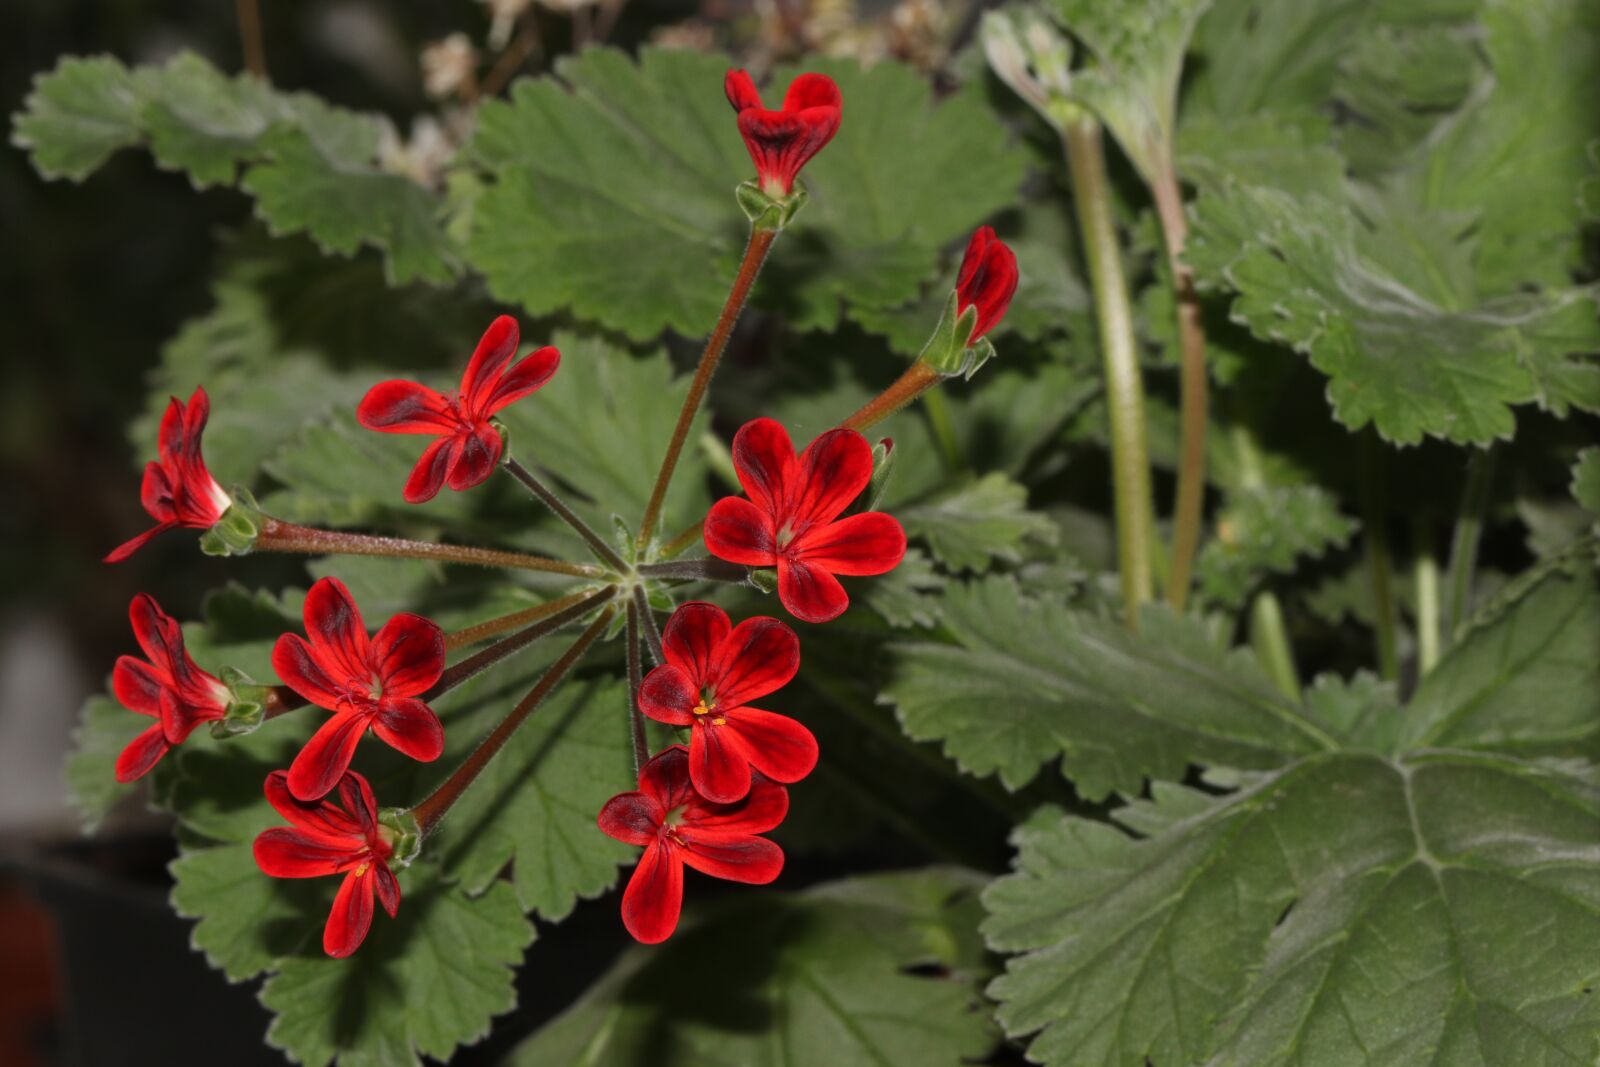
{"x":1586,"y":480}
{"x":1027,"y":680}
{"x":1347,"y":909}
{"x":973,"y":525}
{"x":637,"y":163}
{"x":908,"y":595}
{"x":1268,"y":530}
{"x":819,"y":977}
{"x":104,"y":729}
{"x":77,"y":116}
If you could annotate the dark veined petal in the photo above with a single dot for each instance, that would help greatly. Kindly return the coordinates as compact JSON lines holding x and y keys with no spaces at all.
{"x":764,"y":458}
{"x":137,"y":685}
{"x":319,"y":819}
{"x":351,"y":916}
{"x":665,"y":778}
{"x":654,"y":896}
{"x":776,"y":745}
{"x":632,"y":818}
{"x":300,"y":670}
{"x":718,"y":765}
{"x":810,"y":593}
{"x":734,"y":857}
{"x":142,"y":753}
{"x":427,"y":477}
{"x":387,"y":888}
{"x":495,"y":349}
{"x":869,"y":543}
{"x":475,"y":457}
{"x":987,"y":279}
{"x":833,"y":470}
{"x":530,"y":373}
{"x":325,"y":758}
{"x":338,"y":636}
{"x":134,"y":544}
{"x":692,"y":636}
{"x":741,"y":90}
{"x":762,"y":809}
{"x":284,"y":853}
{"x":158,"y":633}
{"x":398,"y":406}
{"x":669,"y":695}
{"x":739,"y":532}
{"x":407,"y":654}
{"x":409,"y":726}
{"x":179,"y":717}
{"x":355,"y":797}
{"x":759,"y":656}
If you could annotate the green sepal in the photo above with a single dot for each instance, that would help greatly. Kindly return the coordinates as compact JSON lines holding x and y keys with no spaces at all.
{"x":505,"y":437}
{"x":768,"y":212}
{"x":235,"y":533}
{"x":405,"y":836}
{"x":622,"y":537}
{"x":764,"y":579}
{"x":883,"y":461}
{"x":247,"y":702}
{"x":947,"y":351}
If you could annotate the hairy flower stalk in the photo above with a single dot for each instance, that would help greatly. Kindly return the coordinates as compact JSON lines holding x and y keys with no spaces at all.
{"x":433,"y":809}
{"x":713,"y":570}
{"x":641,"y":746}
{"x":279,"y":536}
{"x":475,"y":665}
{"x":647,"y":623}
{"x":605,"y":552}
{"x":482,"y":631}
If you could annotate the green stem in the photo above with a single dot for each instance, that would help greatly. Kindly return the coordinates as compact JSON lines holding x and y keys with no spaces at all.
{"x":641,"y":746}
{"x":505,"y":623}
{"x":596,"y":543}
{"x":1464,"y":541}
{"x":1379,"y":564}
{"x":944,"y":431}
{"x":1268,"y":634}
{"x":1425,"y":568}
{"x":279,"y":536}
{"x":684,"y":540}
{"x":1130,"y":465}
{"x":711,"y":570}
{"x":647,"y":623}
{"x":431,"y":811}
{"x":755,"y":254}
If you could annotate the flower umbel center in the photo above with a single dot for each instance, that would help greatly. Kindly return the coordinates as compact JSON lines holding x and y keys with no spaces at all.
{"x":706,"y":706}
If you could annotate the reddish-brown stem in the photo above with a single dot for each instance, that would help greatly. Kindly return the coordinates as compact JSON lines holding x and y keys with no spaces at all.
{"x":647,"y":622}
{"x":523,"y":45}
{"x":596,"y":543}
{"x":431,"y":811}
{"x":918,"y":379}
{"x":641,"y":747}
{"x":280,"y":700}
{"x":682,"y":542}
{"x":755,"y":254}
{"x":250,"y":40}
{"x":482,"y":661}
{"x":1193,"y":386}
{"x":504,"y":623}
{"x":279,"y":536}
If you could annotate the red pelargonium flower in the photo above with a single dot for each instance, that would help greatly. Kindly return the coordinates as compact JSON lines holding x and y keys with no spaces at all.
{"x":781,"y":142}
{"x":468,"y":446}
{"x":987,"y":280}
{"x":713,"y":669}
{"x":364,"y":683}
{"x":330,"y":837}
{"x":791,"y":520}
{"x":169,"y":688}
{"x":677,"y":826}
{"x":177,"y":488}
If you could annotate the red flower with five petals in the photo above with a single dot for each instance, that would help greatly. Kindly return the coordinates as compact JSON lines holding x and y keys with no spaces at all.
{"x":677,"y":826}
{"x":330,"y":837}
{"x":169,"y":688}
{"x":781,"y":142}
{"x":177,"y":489}
{"x":713,"y":669}
{"x":364,"y":683}
{"x":468,"y":446}
{"x":987,"y":281}
{"x":791,"y":519}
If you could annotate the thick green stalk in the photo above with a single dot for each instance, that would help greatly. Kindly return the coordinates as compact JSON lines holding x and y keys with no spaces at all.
{"x":1268,"y":634}
{"x":1464,"y":542}
{"x":1425,"y":572}
{"x":1130,"y":465}
{"x":1379,"y":565}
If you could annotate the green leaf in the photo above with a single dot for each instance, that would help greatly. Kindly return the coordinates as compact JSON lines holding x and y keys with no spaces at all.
{"x":638,"y":162}
{"x":1586,"y":480}
{"x":908,"y":595}
{"x":104,"y":729}
{"x":820,"y":977}
{"x":1526,"y":680}
{"x":1346,"y":909}
{"x":973,"y":525}
{"x":422,"y":984}
{"x":1027,"y":680}
{"x":1267,"y":530}
{"x":1404,"y":347}
{"x":1288,"y":154}
{"x":1362,"y":711}
{"x":248,"y":922}
{"x":1257,"y":58}
{"x":77,"y":116}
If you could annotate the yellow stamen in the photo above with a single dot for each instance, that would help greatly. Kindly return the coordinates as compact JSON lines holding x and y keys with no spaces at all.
{"x":719,"y":722}
{"x":704,"y":708}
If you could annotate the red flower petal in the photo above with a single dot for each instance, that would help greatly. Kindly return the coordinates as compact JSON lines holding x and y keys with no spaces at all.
{"x":812,"y":90}
{"x":319,"y":766}
{"x":351,"y":916}
{"x":158,"y":634}
{"x":405,"y":407}
{"x":297,"y":666}
{"x":427,"y":477}
{"x":692,"y":636}
{"x":284,"y":853}
{"x":869,"y":543}
{"x":632,"y":818}
{"x":156,"y":492}
{"x":355,"y":797}
{"x":809,"y":592}
{"x":409,"y":725}
{"x":665,"y":778}
{"x":764,"y":458}
{"x":475,"y":457}
{"x":739,"y":532}
{"x":407,"y":654}
{"x":718,"y":764}
{"x":338,"y":637}
{"x":142,"y":753}
{"x":734,"y":857}
{"x":832,"y":472}
{"x":741,"y":90}
{"x":317,"y":818}
{"x":760,"y":655}
{"x":495,"y":349}
{"x":134,"y":544}
{"x":387,"y":887}
{"x":654,"y":896}
{"x":137,"y":685}
{"x":762,"y":809}
{"x":536,"y":368}
{"x":669,"y":695}
{"x":988,"y":279}
{"x":179,"y":718}
{"x":776,"y":745}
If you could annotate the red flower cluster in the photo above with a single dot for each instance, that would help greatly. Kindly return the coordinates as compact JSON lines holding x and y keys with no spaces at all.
{"x":333,"y":837}
{"x":177,"y":489}
{"x":781,"y":142}
{"x":167,"y":686}
{"x":987,"y":280}
{"x":791,"y":519}
{"x":468,"y":445}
